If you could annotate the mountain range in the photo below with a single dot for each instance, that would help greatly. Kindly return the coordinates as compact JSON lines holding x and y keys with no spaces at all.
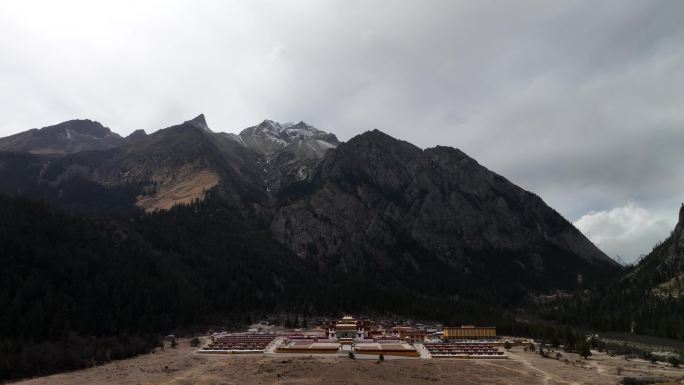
{"x":374,"y":203}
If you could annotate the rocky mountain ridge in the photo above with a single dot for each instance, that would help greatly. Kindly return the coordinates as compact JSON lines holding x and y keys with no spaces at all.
{"x":288,"y":152}
{"x":382,"y":197}
{"x":63,"y":138}
{"x":269,"y":138}
{"x":374,"y":205}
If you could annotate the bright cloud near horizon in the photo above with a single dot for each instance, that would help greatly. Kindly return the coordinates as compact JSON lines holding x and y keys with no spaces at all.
{"x":578,"y":101}
{"x":622,"y":230}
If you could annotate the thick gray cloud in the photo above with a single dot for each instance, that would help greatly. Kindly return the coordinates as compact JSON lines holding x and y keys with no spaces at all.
{"x":579,"y":101}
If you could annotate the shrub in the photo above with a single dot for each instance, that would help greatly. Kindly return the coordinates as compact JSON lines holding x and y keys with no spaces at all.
{"x":584,"y":350}
{"x":674,"y":361}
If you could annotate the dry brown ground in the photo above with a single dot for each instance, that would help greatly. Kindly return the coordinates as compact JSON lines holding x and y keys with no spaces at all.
{"x":189,"y":184}
{"x":182,"y":366}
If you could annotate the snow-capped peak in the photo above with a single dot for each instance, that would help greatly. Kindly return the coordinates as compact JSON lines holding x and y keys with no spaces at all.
{"x":267,"y":125}
{"x":270,"y":136}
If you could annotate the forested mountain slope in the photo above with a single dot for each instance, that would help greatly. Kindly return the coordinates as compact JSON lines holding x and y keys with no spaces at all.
{"x":647,"y":299}
{"x":67,"y":279}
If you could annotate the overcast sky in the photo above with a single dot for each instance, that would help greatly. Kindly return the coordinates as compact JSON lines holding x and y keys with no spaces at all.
{"x":581,"y":102}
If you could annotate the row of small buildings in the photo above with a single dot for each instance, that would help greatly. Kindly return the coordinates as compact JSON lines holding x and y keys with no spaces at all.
{"x":348,"y":328}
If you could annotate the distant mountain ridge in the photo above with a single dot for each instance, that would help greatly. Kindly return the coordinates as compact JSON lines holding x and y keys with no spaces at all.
{"x":174,"y":165}
{"x":63,"y":138}
{"x":288,"y":152}
{"x":269,"y":138}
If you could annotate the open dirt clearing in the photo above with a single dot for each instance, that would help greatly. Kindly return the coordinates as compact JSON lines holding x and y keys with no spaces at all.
{"x":182,"y":366}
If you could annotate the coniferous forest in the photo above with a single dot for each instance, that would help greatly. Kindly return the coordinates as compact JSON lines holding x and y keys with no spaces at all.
{"x":629,"y":304}
{"x":89,"y":289}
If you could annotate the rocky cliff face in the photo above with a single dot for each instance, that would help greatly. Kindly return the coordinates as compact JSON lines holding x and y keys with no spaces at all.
{"x":270,"y":138}
{"x":287,"y":152}
{"x":380,"y":200}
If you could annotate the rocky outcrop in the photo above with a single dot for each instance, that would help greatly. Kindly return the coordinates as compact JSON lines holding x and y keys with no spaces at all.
{"x":270,"y":138}
{"x":287,"y":152}
{"x":136,"y":135}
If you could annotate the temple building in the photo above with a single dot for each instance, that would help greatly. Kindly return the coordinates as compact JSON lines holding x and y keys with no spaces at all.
{"x":347,"y":328}
{"x":409,"y":334}
{"x":469,"y":332}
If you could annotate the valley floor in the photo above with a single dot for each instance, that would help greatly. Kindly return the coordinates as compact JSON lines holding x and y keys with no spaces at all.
{"x":182,"y":366}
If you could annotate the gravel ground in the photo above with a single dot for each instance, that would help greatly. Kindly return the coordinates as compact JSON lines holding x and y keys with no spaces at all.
{"x":182,"y":366}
